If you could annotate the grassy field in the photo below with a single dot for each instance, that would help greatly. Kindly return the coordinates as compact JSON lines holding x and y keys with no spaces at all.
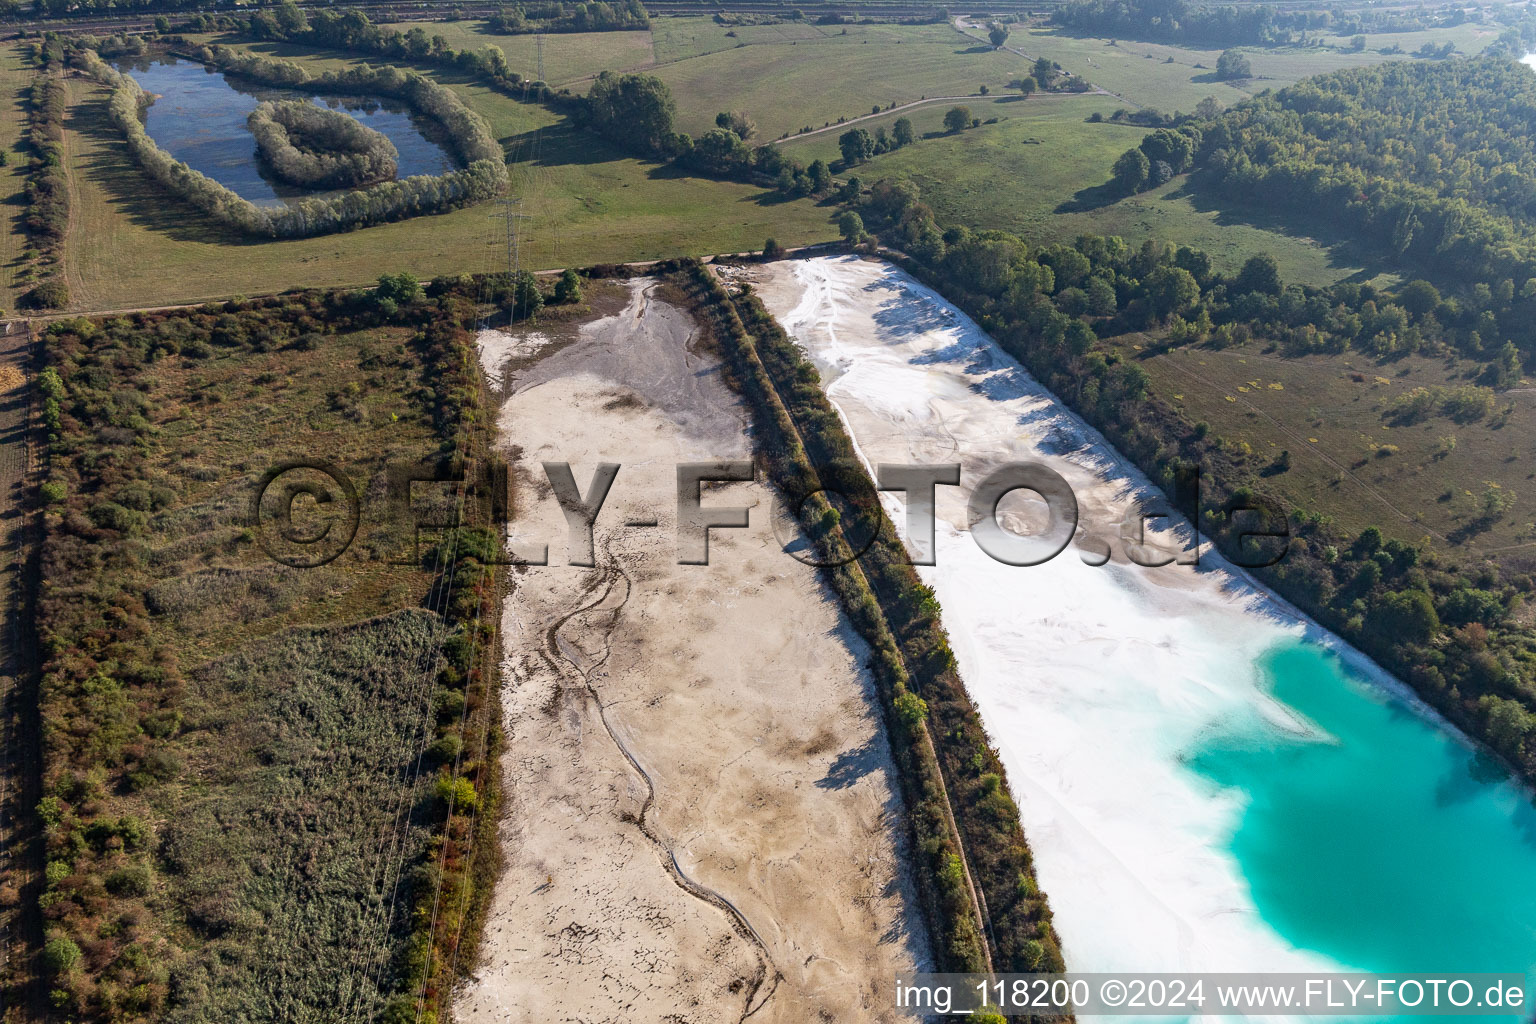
{"x":1350,"y":457}
{"x":681,"y":38}
{"x":568,"y":56}
{"x":1053,"y":120}
{"x":15,"y":77}
{"x":777,"y":74}
{"x":788,"y":84}
{"x":1170,"y":78}
{"x":1024,"y":174}
{"x":1173,"y":213}
{"x":585,"y":204}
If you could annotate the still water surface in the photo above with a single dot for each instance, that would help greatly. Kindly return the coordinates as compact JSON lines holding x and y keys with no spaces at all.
{"x":198,"y":116}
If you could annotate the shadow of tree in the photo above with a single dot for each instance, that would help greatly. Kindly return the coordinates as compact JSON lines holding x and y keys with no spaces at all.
{"x":850,"y":766}
{"x":1343,"y":250}
{"x":1094,"y":197}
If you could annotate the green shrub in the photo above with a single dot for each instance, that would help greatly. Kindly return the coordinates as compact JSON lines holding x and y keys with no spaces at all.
{"x":446,"y":749}
{"x":457,"y":793}
{"x":61,"y":956}
{"x":911,"y":709}
{"x":129,"y":881}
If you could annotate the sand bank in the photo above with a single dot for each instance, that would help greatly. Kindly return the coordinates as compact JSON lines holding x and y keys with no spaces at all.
{"x":701,"y":818}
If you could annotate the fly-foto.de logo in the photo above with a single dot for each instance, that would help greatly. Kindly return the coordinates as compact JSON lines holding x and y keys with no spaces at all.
{"x":307,"y":513}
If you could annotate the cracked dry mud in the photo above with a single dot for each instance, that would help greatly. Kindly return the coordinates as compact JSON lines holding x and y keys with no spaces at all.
{"x":702,"y":823}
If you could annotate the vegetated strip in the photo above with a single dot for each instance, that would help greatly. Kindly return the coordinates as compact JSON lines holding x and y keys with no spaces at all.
{"x":484,"y":175}
{"x":949,"y":773}
{"x":464,"y":858}
{"x":47,"y":218}
{"x":120,"y":827}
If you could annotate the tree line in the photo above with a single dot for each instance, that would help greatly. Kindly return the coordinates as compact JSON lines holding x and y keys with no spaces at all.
{"x":351,"y":30}
{"x":1433,"y":164}
{"x":1194,"y":23}
{"x":313,"y":147}
{"x":47,"y":188}
{"x":483,"y":177}
{"x":1185,"y":22}
{"x":1445,"y":626}
{"x":629,"y":15}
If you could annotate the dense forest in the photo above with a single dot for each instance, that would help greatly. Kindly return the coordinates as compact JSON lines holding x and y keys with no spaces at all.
{"x":1444,"y":626}
{"x":1430,"y":164}
{"x":571,"y":17}
{"x":1181,"y":21}
{"x":314,"y":147}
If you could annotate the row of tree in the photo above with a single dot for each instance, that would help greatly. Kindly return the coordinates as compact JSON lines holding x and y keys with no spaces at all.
{"x":1444,"y":626}
{"x":1185,"y":22}
{"x":351,"y":30}
{"x":313,"y":147}
{"x":484,"y":176}
{"x":47,"y":189}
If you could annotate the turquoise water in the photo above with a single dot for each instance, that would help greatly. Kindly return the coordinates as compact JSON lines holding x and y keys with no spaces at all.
{"x":1389,"y":847}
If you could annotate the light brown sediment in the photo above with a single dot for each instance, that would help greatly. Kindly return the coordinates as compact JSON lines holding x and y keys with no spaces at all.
{"x":701,"y":819}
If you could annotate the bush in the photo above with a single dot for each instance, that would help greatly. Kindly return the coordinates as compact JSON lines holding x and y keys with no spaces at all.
{"x":61,"y":956}
{"x":568,"y":288}
{"x":445,"y":749}
{"x":129,"y":881}
{"x":911,"y":709}
{"x":457,"y":793}
{"x":50,"y":293}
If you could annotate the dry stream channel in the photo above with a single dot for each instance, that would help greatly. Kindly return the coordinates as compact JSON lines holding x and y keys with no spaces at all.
{"x":702,"y":823}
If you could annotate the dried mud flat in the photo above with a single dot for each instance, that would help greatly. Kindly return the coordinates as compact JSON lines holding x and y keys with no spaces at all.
{"x":702,"y":820}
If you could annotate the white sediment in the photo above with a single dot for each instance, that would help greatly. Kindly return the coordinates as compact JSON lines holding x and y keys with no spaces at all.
{"x":497,"y":348}
{"x":1095,"y":683}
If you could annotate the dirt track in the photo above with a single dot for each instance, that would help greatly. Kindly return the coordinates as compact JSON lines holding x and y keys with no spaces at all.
{"x":20,"y":927}
{"x":702,"y":821}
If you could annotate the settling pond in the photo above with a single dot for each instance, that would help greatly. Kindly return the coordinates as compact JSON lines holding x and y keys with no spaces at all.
{"x":1209,"y":782}
{"x":198,"y":116}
